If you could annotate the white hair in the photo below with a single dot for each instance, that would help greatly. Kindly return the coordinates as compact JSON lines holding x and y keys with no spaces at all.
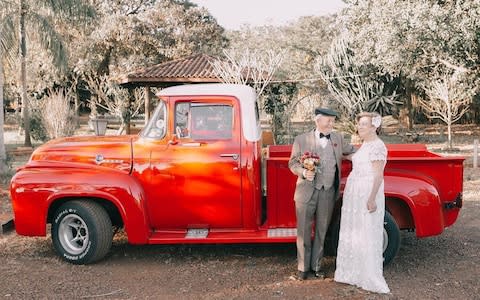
{"x":317,"y":116}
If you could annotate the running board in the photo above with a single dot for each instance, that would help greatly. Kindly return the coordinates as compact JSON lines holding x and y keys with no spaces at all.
{"x":206,"y":236}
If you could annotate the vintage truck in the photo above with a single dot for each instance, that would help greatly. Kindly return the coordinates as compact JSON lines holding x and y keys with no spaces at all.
{"x":197,"y":173}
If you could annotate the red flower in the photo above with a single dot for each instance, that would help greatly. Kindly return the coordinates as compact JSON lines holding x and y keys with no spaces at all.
{"x":310,"y":160}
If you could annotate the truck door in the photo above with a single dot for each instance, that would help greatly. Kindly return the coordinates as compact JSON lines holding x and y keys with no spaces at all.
{"x":204,"y":167}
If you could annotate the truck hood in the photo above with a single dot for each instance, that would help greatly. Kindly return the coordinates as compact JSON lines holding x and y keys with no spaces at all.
{"x":111,"y":152}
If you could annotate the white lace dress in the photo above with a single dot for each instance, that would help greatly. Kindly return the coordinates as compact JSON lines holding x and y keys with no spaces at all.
{"x":360,"y":246}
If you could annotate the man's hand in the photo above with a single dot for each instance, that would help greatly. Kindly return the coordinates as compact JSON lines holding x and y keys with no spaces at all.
{"x":309,"y":174}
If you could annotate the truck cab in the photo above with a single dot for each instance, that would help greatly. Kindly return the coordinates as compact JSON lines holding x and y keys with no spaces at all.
{"x":202,"y":147}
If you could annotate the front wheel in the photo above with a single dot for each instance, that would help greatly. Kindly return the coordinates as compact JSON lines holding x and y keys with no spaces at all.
{"x":81,"y":232}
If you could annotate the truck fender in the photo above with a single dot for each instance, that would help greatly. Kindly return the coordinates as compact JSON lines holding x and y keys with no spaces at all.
{"x":422,"y":199}
{"x":116,"y":187}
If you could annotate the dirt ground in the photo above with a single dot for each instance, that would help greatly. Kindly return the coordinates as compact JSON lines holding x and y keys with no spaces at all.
{"x":442,"y":267}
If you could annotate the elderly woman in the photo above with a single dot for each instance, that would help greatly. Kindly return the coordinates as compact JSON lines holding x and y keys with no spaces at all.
{"x":359,"y":255}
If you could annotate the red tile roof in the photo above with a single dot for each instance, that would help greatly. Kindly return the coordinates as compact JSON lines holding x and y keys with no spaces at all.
{"x":195,"y":68}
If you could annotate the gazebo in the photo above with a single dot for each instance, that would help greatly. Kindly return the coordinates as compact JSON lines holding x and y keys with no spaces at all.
{"x":191,"y":69}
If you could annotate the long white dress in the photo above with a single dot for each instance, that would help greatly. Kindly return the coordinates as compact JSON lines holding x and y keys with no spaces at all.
{"x":360,"y":246}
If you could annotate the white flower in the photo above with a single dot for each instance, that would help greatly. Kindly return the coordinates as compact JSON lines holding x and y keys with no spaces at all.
{"x":377,"y":121}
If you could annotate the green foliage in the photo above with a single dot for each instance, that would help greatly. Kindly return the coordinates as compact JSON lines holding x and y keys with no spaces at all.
{"x":134,"y":34}
{"x":417,"y":39}
{"x":8,"y":37}
{"x":302,"y":40}
{"x":278,"y":98}
{"x":357,"y":87}
{"x":37,"y":129}
{"x":307,"y":39}
{"x":384,"y":98}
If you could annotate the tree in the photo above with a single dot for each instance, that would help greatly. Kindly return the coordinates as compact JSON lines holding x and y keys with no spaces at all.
{"x":302,"y":40}
{"x":245,"y":66}
{"x":306,"y":40}
{"x":414,"y":39}
{"x":35,"y":19}
{"x":355,"y":87}
{"x":449,"y":99}
{"x":254,"y":68}
{"x":3,"y":152}
{"x":279,"y":105}
{"x":110,"y":97}
{"x":130,"y":34}
{"x":7,"y":38}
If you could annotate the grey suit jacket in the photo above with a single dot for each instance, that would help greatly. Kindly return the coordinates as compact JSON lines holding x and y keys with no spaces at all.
{"x":306,"y":142}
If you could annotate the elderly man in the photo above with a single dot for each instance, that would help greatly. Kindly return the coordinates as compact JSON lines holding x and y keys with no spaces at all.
{"x":317,"y":187}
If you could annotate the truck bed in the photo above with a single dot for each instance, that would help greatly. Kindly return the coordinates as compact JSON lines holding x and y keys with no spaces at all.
{"x":405,"y":163}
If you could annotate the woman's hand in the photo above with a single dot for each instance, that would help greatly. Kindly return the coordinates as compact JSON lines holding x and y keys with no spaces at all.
{"x":371,"y":205}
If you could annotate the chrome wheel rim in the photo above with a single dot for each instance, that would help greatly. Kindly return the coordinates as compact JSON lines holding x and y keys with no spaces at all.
{"x":73,"y":234}
{"x":385,"y":240}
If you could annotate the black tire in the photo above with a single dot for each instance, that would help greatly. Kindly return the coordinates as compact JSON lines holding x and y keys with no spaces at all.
{"x":331,"y":238}
{"x":81,"y":232}
{"x":391,"y":241}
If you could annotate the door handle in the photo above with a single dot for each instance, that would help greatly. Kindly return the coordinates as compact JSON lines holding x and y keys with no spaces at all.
{"x":232,"y":155}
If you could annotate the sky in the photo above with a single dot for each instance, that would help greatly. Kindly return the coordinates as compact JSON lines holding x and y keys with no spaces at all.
{"x":232,"y":14}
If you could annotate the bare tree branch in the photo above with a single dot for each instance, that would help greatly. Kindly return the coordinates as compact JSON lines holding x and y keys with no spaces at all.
{"x":248,"y":66}
{"x":114,"y":99}
{"x":448,"y":101}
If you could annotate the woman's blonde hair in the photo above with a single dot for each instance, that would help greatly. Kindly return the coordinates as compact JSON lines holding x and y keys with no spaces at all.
{"x":374,"y":116}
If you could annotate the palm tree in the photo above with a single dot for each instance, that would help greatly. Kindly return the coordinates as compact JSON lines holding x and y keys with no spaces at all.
{"x":41,"y":26}
{"x":7,"y":39}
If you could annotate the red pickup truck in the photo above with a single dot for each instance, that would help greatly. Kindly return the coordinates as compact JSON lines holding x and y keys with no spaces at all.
{"x":197,"y":174}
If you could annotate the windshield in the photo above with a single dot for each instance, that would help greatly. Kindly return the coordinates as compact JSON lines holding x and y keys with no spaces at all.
{"x":156,"y":127}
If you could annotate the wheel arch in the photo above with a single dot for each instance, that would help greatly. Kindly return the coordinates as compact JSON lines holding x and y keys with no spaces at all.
{"x":111,"y":209}
{"x":414,"y":204}
{"x":401,"y":211}
{"x":125,"y":210}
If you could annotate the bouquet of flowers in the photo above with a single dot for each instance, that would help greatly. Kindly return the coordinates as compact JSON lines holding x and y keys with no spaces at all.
{"x":310,"y":160}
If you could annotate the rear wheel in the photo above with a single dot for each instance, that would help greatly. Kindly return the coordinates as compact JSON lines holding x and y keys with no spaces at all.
{"x":391,"y":238}
{"x":81,"y":232}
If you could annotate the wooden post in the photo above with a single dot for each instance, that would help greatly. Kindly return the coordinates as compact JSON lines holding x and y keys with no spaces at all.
{"x":475,"y":153}
{"x":148,"y":98}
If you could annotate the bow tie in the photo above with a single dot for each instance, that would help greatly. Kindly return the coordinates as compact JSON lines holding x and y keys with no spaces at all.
{"x":324,"y":135}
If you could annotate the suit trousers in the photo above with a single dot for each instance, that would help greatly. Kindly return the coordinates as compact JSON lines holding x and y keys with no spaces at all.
{"x":319,"y":207}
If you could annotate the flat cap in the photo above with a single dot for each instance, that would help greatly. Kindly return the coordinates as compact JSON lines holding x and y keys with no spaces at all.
{"x":325,"y":112}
